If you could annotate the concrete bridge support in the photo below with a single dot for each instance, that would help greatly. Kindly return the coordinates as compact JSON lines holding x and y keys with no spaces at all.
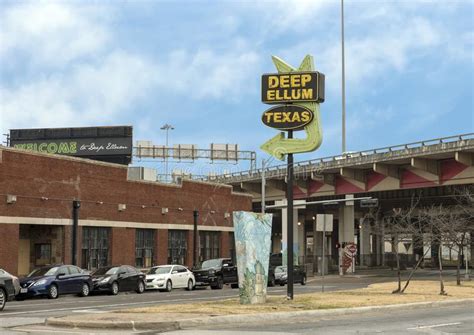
{"x":298,"y":232}
{"x":346,"y":226}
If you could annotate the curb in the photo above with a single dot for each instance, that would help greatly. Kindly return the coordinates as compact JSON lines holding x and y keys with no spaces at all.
{"x":128,"y":325}
{"x":243,"y":318}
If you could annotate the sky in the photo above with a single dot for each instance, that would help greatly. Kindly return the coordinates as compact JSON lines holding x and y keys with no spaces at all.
{"x":197,"y":65}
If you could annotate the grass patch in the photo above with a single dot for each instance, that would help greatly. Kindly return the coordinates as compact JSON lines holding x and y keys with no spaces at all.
{"x":374,"y":295}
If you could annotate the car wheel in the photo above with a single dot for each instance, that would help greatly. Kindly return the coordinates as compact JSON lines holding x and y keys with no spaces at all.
{"x":282,"y":284}
{"x":85,"y":290}
{"x":53,"y":292}
{"x":271,"y":282}
{"x":303,"y":280}
{"x":169,"y":286}
{"x":114,"y":289}
{"x":140,"y":287}
{"x":234,"y":285}
{"x":3,"y":299}
{"x":190,"y":285}
{"x":219,"y":285}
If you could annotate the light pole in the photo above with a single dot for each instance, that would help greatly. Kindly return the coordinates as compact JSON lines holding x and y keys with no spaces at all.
{"x":343,"y":88}
{"x":166,"y":127}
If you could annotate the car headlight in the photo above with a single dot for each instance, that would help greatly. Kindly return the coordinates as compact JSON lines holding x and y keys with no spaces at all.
{"x":159,"y":280}
{"x":40,"y":282}
{"x":105,"y":280}
{"x":212,"y":272}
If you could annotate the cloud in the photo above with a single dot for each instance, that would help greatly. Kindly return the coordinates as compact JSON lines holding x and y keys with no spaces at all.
{"x":52,"y":33}
{"x":207,"y":74}
{"x":64,"y":68}
{"x":87,"y":94}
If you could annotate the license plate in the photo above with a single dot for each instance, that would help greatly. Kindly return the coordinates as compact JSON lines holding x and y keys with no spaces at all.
{"x":23,"y":290}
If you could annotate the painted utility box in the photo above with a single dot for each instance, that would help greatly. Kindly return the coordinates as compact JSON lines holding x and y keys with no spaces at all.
{"x":252,"y":234}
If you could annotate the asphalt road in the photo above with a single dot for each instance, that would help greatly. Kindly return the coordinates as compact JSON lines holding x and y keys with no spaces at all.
{"x":439,"y":320}
{"x":34,"y":311}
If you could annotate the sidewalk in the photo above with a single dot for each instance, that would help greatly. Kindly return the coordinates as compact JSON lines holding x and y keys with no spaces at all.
{"x":175,"y":321}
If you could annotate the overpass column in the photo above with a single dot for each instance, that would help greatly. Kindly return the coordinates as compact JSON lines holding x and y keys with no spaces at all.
{"x":296,"y":232}
{"x":364,"y":248}
{"x":346,"y":225}
{"x":301,"y":240}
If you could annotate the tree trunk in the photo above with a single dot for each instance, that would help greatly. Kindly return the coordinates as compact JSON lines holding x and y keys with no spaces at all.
{"x":399,"y":275}
{"x":458,"y":272}
{"x":413,"y":271}
{"x":441,"y":283}
{"x":460,"y":259}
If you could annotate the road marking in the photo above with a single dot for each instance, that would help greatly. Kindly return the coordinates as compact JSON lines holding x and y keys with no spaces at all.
{"x":91,"y":311}
{"x":435,"y":326}
{"x":20,"y":303}
{"x":49,"y":331}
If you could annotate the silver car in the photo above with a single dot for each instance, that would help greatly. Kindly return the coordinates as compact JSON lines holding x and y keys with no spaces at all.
{"x":16,"y":281}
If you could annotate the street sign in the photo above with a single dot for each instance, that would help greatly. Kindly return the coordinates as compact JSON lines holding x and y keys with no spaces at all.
{"x":287,"y":117}
{"x":352,"y":248}
{"x":369,"y":203}
{"x":324,"y":226}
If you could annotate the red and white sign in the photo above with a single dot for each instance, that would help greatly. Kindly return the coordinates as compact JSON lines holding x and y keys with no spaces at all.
{"x":351,"y":248}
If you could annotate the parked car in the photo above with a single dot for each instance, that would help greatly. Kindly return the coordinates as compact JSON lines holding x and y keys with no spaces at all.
{"x":53,"y":280}
{"x":167,"y":277}
{"x":119,"y":278}
{"x":275,"y":260}
{"x":216,"y":273}
{"x":7,"y":291}
{"x":281,"y":275}
{"x":16,"y":281}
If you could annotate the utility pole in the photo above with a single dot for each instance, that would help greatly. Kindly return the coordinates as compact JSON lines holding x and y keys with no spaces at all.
{"x":166,"y":127}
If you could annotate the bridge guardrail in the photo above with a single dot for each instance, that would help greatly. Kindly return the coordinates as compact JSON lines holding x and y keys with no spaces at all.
{"x":281,"y":169}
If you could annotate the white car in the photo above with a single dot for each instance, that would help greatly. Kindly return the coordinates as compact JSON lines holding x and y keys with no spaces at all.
{"x":167,"y":277}
{"x":16,"y":281}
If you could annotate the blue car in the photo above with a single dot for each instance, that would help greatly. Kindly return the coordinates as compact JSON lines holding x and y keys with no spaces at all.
{"x":53,"y":280}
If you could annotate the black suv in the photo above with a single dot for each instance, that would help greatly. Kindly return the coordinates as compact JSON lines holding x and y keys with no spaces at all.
{"x":216,"y":273}
{"x":275,"y":260}
{"x":7,"y":291}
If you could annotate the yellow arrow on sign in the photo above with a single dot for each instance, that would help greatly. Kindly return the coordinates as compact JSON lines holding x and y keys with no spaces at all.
{"x":279,"y":146}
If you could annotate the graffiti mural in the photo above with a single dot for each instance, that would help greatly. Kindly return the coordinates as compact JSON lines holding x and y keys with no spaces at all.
{"x":252,"y":243}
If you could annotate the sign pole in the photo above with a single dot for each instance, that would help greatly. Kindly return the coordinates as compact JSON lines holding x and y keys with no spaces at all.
{"x":324,"y":252}
{"x":289,"y":243}
{"x":263,"y":186}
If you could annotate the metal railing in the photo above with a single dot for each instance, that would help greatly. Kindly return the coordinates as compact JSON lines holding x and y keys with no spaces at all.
{"x":309,"y":165}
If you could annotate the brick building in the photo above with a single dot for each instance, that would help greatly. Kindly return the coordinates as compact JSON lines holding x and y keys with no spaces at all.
{"x":120,"y":221}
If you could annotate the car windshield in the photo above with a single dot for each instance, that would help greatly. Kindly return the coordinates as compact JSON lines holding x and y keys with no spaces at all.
{"x":211,"y":263}
{"x":280,"y":269}
{"x":105,"y":271}
{"x":43,"y":272}
{"x":161,"y":270}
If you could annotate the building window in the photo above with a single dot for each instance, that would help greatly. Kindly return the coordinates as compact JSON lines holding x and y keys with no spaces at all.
{"x":209,"y":245}
{"x":95,"y":247}
{"x":144,"y":247}
{"x":42,"y":254}
{"x":177,"y":246}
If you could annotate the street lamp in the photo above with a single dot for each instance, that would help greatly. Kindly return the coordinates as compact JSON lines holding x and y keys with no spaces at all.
{"x":166,"y":127}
